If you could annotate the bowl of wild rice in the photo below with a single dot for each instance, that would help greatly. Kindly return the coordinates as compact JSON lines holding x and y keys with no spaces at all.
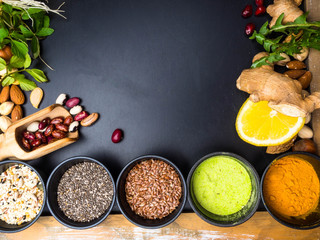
{"x":80,"y":192}
{"x":22,"y":196}
{"x":151,"y":191}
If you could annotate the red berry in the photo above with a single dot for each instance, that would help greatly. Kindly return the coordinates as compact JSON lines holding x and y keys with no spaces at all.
{"x":247,"y":11}
{"x":259,"y":2}
{"x":260,"y":10}
{"x":117,"y":135}
{"x":249,"y":28}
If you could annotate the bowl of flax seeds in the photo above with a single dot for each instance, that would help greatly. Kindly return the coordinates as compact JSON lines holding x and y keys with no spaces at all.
{"x":151,"y":191}
{"x":80,"y":192}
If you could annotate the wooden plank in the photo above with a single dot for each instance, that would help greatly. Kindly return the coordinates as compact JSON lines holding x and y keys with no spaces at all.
{"x":187,"y":226}
{"x":313,"y":61}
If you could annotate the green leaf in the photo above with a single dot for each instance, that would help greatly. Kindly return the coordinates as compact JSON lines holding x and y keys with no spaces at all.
{"x":260,"y":38}
{"x":7,"y":81}
{"x":37,"y":74}
{"x":19,"y":49}
{"x":279,"y":21}
{"x":3,"y":64}
{"x":17,"y":36}
{"x":35,"y":47}
{"x":46,"y":21}
{"x":31,"y":11}
{"x":27,"y":62}
{"x":25,"y":31}
{"x":7,"y":8}
{"x":26,"y":84}
{"x":3,"y":33}
{"x":44,"y":32}
{"x":16,"y":62}
{"x":264,"y":29}
{"x":267,"y":44}
{"x":301,"y":19}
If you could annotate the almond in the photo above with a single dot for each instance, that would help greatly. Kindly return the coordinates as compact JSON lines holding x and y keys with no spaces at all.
{"x":5,"y":122}
{"x":36,"y":97}
{"x":6,"y":108}
{"x":4,"y":95}
{"x":16,"y":113}
{"x":16,"y":95}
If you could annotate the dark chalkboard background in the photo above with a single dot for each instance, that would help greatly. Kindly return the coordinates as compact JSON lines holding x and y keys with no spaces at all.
{"x":163,"y":71}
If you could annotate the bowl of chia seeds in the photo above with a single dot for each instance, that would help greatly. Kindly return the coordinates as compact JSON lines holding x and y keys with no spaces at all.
{"x":80,"y":192}
{"x":151,"y":191}
{"x":22,"y":196}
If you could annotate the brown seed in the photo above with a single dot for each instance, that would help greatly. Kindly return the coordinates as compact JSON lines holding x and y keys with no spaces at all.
{"x":296,"y":65}
{"x":5,"y":94}
{"x":49,"y":130}
{"x":295,"y":74}
{"x":40,"y":135}
{"x":68,"y":120}
{"x":62,"y":127}
{"x":57,"y":120}
{"x":58,"y":134}
{"x":88,"y":121}
{"x":305,"y":79}
{"x":26,"y":143}
{"x":305,"y":145}
{"x":16,"y":113}
{"x":16,"y":95}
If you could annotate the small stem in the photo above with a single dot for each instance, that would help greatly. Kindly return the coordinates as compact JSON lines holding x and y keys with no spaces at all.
{"x":304,"y":25}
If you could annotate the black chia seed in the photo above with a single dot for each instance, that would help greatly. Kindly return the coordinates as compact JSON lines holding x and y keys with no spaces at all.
{"x":85,"y":192}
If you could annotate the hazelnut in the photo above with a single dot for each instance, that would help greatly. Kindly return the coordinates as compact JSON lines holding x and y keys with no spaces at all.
{"x":305,"y":145}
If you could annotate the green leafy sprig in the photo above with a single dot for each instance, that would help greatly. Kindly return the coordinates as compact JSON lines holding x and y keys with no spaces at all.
{"x":22,"y":30}
{"x":310,"y":38}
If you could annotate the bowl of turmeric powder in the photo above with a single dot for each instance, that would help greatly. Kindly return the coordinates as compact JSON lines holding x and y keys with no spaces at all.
{"x":290,"y":189}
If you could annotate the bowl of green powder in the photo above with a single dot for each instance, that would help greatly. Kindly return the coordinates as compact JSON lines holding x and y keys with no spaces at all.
{"x":223,"y":189}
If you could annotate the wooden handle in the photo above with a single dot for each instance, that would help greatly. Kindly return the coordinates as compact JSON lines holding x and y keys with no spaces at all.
{"x":4,"y":151}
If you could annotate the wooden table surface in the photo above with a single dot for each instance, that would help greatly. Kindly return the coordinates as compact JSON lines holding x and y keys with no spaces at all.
{"x":187,"y":226}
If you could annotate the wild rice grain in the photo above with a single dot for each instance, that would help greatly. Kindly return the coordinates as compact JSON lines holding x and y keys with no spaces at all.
{"x":153,"y":189}
{"x":85,"y":192}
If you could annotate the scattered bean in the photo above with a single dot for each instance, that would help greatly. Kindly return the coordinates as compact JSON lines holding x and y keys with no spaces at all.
{"x":57,"y":120}
{"x":68,"y":120}
{"x":117,"y":136}
{"x":72,"y":102}
{"x":88,"y":121}
{"x":75,"y":110}
{"x":74,"y":126}
{"x":62,"y":98}
{"x":33,"y":127}
{"x":80,"y":116}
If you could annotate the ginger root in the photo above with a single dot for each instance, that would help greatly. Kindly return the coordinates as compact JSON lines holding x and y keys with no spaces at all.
{"x":288,"y":7}
{"x":283,"y":93}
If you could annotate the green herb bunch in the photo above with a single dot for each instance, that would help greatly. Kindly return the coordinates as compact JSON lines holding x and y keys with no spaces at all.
{"x":309,"y":38}
{"x":22,"y":29}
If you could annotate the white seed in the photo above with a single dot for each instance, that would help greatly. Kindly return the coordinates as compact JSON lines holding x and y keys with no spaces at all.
{"x":73,"y":126}
{"x":284,"y":61}
{"x":61,"y":99}
{"x":305,"y":132}
{"x":33,"y":127}
{"x":6,"y":108}
{"x":5,"y":122}
{"x":75,"y":110}
{"x":308,"y":118}
{"x":302,"y":55}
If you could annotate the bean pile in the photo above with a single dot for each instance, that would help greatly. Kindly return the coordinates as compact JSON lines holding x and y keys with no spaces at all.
{"x":153,"y":189}
{"x":85,"y":192}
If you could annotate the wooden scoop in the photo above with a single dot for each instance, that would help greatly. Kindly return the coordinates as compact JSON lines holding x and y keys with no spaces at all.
{"x":11,"y":141}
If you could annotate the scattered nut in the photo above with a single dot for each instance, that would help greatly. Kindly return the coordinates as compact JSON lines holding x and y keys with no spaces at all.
{"x":6,"y":108}
{"x":72,"y":102}
{"x":5,"y":122}
{"x":16,"y":113}
{"x":33,"y":127}
{"x":305,"y":145}
{"x":305,"y":79}
{"x":16,"y":95}
{"x":75,"y":110}
{"x":80,"y":116}
{"x":295,"y":74}
{"x":62,"y":98}
{"x":308,"y":118}
{"x":88,"y":121}
{"x":117,"y":135}
{"x":73,"y":126}
{"x":284,"y":61}
{"x":305,"y":132}
{"x":302,"y":55}
{"x":296,"y":65}
{"x":5,"y":94}
{"x":36,"y":97}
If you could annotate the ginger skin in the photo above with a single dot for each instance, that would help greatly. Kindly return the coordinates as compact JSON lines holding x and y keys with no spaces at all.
{"x":288,"y":7}
{"x":283,"y":93}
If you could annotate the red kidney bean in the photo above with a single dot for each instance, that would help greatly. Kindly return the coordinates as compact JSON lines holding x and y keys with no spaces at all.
{"x":72,"y":102}
{"x":260,"y":10}
{"x":50,"y":139}
{"x":259,"y":2}
{"x":247,"y":11}
{"x":68,"y":120}
{"x":62,"y":127}
{"x":57,"y":120}
{"x":49,"y":130}
{"x":44,"y":123}
{"x":26,"y":143}
{"x":40,"y":135}
{"x":58,"y":134}
{"x":117,"y":135}
{"x":29,"y":135}
{"x":249,"y":28}
{"x":35,"y":143}
{"x":80,"y":116}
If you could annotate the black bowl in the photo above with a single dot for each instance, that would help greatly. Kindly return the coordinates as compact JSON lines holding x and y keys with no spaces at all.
{"x":10,"y":228}
{"x":52,"y":187}
{"x":310,"y":221}
{"x":226,"y":220}
{"x":132,"y":216}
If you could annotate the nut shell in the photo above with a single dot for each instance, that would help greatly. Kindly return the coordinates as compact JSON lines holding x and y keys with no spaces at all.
{"x":16,"y":95}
